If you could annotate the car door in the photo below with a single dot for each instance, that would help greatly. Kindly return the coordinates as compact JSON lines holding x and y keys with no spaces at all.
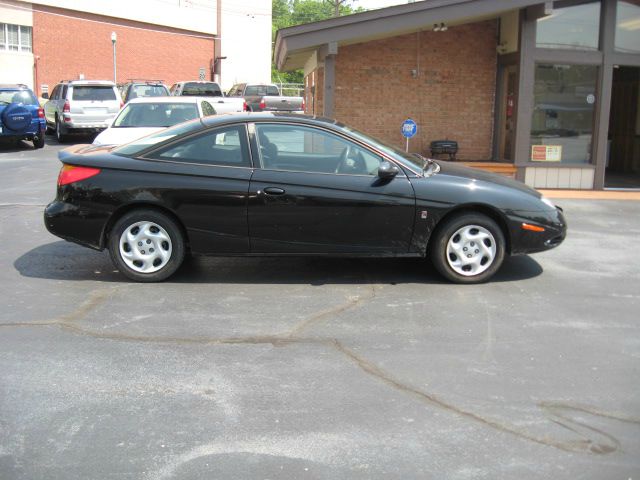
{"x":50,"y":106}
{"x":318,"y":192}
{"x":209,"y":187}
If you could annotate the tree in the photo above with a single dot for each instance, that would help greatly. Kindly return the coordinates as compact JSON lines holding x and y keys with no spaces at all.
{"x":287,"y":13}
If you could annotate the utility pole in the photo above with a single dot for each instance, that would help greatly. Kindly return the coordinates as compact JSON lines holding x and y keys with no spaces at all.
{"x":336,"y":6}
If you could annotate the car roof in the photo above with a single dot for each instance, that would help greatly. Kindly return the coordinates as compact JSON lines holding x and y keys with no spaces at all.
{"x":213,"y":120}
{"x":89,"y":82}
{"x":13,"y":86}
{"x":166,"y":99}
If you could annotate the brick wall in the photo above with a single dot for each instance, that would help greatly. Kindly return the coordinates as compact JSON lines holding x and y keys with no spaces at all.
{"x":70,"y":43}
{"x":451,"y":97}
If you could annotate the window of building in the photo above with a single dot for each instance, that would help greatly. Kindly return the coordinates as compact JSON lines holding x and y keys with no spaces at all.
{"x":628,"y":26}
{"x":563,"y":113}
{"x":15,"y":38}
{"x":575,"y":27}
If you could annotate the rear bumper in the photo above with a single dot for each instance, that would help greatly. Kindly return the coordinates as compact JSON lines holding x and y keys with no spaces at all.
{"x":75,"y":224}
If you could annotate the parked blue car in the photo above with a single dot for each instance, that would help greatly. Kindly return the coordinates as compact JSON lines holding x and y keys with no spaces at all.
{"x":21,"y":116}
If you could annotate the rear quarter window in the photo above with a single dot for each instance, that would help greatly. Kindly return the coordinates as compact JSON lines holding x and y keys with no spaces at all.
{"x":93,"y":93}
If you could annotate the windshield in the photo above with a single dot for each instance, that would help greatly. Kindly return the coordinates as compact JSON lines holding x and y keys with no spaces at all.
{"x":155,"y":114}
{"x":94,"y":93}
{"x":17,"y":96}
{"x":193,"y":89}
{"x":410,"y":159}
{"x":137,"y":146}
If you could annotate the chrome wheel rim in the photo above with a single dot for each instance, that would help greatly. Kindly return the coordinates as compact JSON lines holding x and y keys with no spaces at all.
{"x":145,"y":247}
{"x":471,"y":250}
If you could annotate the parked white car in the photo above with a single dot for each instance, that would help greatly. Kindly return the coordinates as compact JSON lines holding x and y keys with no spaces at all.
{"x":146,"y":115}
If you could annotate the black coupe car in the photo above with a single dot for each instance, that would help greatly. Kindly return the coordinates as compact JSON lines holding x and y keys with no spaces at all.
{"x":278,"y":184}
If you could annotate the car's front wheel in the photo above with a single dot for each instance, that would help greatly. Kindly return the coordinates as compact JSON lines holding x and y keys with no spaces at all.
{"x":146,"y":245}
{"x":468,"y":248}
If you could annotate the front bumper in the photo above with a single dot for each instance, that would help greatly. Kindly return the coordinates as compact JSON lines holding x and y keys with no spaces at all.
{"x":525,"y":241}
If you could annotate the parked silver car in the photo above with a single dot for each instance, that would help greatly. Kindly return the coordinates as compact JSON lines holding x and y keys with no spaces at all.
{"x":81,"y":106}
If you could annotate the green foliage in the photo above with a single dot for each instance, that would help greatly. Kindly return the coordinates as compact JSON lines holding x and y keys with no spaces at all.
{"x":287,"y":13}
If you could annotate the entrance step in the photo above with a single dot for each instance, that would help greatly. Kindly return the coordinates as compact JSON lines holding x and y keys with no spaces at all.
{"x":506,"y":169}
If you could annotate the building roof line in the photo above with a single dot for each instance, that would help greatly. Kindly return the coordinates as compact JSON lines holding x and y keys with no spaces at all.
{"x":383,"y":22}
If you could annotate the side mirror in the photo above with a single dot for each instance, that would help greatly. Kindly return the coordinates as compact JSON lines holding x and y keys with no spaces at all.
{"x":45,"y":95}
{"x":387,"y":170}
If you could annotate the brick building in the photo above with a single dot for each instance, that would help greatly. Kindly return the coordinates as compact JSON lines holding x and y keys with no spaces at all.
{"x":535,"y":88}
{"x":45,"y":41}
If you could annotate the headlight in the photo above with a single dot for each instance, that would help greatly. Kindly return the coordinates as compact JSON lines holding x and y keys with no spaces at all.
{"x":547,"y":202}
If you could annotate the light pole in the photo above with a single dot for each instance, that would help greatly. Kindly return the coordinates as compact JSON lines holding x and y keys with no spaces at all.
{"x":114,"y":37}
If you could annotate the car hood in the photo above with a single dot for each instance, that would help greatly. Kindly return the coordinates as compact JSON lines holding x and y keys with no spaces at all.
{"x":455,"y":170}
{"x":120,"y":136}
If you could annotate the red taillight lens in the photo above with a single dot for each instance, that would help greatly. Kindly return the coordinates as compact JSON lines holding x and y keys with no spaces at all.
{"x":41,"y":112}
{"x":67,"y":107}
{"x":245,"y":107}
{"x":262,"y":105}
{"x":71,"y":173}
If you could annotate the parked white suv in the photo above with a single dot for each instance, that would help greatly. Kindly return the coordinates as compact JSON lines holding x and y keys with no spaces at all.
{"x":81,"y":106}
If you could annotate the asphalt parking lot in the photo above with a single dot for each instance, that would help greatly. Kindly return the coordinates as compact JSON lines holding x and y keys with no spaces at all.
{"x":315,"y":369}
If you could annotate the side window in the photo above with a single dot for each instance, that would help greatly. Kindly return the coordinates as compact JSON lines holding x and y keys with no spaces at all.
{"x":54,"y":93}
{"x":225,"y":146}
{"x":306,"y":149}
{"x":64,"y":92}
{"x":207,"y":109}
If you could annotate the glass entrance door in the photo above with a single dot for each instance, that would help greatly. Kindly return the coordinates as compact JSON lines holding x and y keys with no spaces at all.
{"x":623,"y":153}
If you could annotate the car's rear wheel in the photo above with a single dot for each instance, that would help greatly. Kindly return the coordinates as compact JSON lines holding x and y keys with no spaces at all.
{"x":468,"y":248}
{"x":60,"y":135}
{"x":146,"y":245}
{"x":38,"y":141}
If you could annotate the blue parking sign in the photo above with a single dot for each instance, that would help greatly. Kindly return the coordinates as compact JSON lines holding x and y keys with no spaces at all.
{"x":409,"y":128}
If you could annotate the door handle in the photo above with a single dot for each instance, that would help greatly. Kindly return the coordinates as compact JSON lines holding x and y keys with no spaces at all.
{"x":274,"y":191}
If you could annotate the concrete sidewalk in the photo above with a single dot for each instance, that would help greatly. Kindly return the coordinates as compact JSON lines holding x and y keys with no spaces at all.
{"x":592,"y":194}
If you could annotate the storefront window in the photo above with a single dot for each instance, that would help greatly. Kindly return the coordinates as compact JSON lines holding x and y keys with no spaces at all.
{"x":563,"y":113}
{"x":628,"y":26}
{"x":574,"y":27}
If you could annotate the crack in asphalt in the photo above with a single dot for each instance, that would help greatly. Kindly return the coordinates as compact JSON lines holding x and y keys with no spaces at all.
{"x":556,"y":412}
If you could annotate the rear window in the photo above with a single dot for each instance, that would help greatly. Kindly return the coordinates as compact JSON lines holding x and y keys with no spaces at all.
{"x":17,"y":96}
{"x":201,"y":90}
{"x":262,"y":90}
{"x":148,"y":91}
{"x":137,"y":146}
{"x":94,"y":93}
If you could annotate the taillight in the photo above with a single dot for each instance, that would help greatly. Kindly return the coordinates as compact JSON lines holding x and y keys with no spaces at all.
{"x":245,"y":107}
{"x":303,"y":105}
{"x":41,"y":112}
{"x":71,"y":173}
{"x":262,"y":105}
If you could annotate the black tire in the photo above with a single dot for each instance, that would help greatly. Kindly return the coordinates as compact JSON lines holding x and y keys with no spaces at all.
{"x":38,"y":142}
{"x":60,"y":136}
{"x":492,"y":250}
{"x":175,"y":249}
